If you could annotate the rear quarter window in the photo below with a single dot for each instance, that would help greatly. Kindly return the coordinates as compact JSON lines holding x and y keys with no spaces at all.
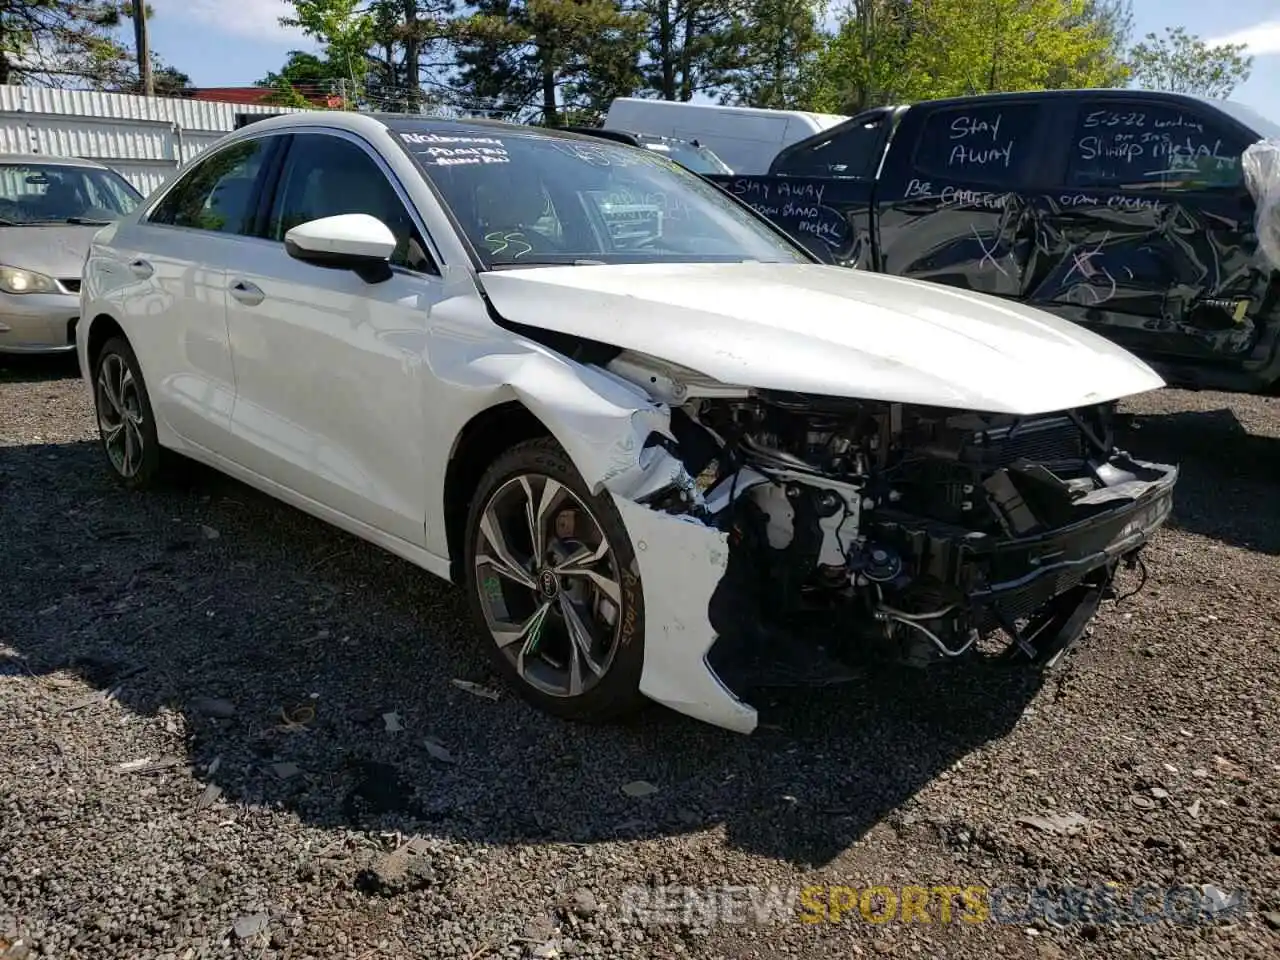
{"x":1137,"y":145}
{"x":983,"y":143}
{"x":853,"y":152}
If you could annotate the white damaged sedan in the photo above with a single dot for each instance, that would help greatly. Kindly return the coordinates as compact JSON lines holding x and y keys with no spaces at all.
{"x":666,"y":454}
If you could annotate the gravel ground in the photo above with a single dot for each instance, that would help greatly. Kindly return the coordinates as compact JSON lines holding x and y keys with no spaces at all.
{"x":229,"y":731}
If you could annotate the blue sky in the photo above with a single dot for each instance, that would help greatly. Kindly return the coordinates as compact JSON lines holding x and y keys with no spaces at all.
{"x":218,"y":43}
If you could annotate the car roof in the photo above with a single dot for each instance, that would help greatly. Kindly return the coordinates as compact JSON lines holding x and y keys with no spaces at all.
{"x":49,"y":160}
{"x":1237,"y":111}
{"x":408,"y":123}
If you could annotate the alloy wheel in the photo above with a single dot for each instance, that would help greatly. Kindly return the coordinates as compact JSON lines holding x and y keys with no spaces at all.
{"x":120,"y":415}
{"x":549,"y":585}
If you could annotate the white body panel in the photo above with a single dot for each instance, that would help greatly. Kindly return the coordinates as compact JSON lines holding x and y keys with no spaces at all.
{"x":746,"y":138}
{"x":828,"y":330}
{"x":347,"y":399}
{"x":330,"y":381}
{"x":168,"y":290}
{"x":357,"y":234}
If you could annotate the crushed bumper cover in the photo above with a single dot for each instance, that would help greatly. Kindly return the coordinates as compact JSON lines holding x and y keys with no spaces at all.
{"x":700,"y":629}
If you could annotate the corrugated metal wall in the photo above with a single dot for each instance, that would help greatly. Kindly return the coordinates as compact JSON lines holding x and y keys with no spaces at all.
{"x":143,"y":138}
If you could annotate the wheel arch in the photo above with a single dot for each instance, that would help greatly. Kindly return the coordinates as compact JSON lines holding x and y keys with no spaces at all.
{"x":101,"y":329}
{"x":484,"y":438}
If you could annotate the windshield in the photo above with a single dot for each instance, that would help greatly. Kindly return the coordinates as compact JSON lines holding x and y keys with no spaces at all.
{"x":698,"y":159}
{"x":42,"y":193}
{"x":524,"y":199}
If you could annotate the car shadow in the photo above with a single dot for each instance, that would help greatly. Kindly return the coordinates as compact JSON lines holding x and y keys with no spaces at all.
{"x":303,"y":669}
{"x":1228,"y":478}
{"x":37,"y":368}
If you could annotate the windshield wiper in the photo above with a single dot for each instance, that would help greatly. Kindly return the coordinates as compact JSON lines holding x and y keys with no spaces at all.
{"x":88,"y":221}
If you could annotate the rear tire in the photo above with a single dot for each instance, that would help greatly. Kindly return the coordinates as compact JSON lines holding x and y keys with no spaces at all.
{"x":126,"y":423}
{"x":564,"y":624}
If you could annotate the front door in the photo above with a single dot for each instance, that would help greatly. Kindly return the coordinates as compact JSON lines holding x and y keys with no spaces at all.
{"x":330,"y":369}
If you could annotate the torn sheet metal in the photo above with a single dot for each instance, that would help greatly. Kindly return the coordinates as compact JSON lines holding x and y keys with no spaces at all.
{"x":681,"y":563}
{"x":1261,"y":163}
{"x":601,"y":420}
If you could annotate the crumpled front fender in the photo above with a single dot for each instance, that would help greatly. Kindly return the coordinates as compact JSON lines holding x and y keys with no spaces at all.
{"x":603,"y":423}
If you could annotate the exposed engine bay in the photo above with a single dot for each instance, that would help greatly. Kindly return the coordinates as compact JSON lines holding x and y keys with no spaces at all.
{"x":869,"y":529}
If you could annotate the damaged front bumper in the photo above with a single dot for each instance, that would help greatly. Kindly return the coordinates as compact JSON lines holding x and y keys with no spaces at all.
{"x":761,"y":567}
{"x":706,"y":647}
{"x":682,"y":563}
{"x":1008,"y":579}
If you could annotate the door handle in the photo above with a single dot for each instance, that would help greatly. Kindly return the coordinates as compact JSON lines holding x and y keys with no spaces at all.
{"x":141,"y":269}
{"x":247,"y":293}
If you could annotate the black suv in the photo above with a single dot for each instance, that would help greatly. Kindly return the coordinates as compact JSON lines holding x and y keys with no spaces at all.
{"x":1126,"y":211}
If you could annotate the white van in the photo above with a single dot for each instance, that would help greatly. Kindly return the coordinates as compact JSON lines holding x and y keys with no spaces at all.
{"x":746,"y":138}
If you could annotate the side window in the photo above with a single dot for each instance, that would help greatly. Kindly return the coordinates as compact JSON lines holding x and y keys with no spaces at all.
{"x":216,"y":194}
{"x":987,"y":143}
{"x":327,"y":176}
{"x":1140,"y":145}
{"x":853,"y":152}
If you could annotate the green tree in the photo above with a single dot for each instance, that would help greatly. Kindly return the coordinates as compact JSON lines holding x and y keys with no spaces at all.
{"x":773,"y":54}
{"x":863,"y":64}
{"x":1182,"y":63}
{"x":889,"y":51}
{"x":411,"y":44}
{"x":380,"y":49}
{"x":345,"y":27}
{"x":685,"y":42}
{"x":303,"y":75}
{"x":306,"y":70}
{"x":169,"y":81}
{"x":1105,"y":60}
{"x":166,"y":81}
{"x":62,"y":42}
{"x":548,"y":59}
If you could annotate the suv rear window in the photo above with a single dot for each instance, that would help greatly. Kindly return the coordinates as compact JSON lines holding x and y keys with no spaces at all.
{"x":982,"y":143}
{"x":1138,"y":145}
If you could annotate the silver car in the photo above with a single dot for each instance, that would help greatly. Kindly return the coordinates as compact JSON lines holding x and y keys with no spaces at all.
{"x":50,"y":208}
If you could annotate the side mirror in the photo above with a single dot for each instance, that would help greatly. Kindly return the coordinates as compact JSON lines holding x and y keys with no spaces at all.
{"x":352,"y":241}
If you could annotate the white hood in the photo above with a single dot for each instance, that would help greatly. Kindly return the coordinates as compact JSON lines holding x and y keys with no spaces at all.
{"x":830,"y":331}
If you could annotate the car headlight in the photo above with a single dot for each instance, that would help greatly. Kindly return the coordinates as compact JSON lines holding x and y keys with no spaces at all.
{"x":14,"y":280}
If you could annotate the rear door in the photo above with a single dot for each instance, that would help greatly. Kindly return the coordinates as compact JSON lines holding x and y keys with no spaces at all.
{"x":952,"y":203}
{"x":1150,"y":238}
{"x":174,"y":262}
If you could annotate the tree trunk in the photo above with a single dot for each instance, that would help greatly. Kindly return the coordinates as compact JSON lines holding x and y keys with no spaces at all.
{"x":666,"y":55}
{"x":686,"y":52}
{"x":412,"y":52}
{"x":550,"y":115}
{"x":143,"y":43}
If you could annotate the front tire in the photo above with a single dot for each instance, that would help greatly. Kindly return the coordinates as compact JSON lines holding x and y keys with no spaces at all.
{"x":126,"y":424}
{"x":553,"y":585}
